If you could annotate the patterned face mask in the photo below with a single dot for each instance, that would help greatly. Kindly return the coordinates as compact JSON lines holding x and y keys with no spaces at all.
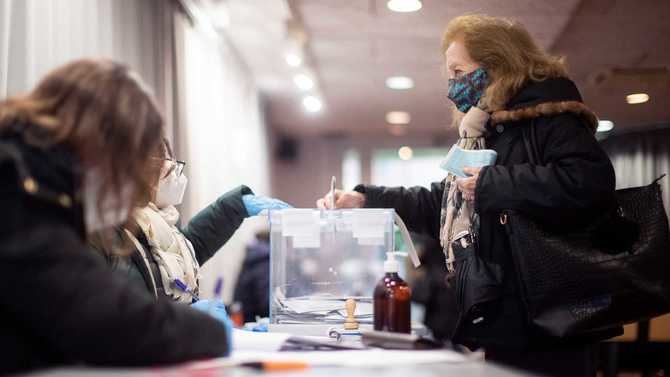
{"x":466,"y":91}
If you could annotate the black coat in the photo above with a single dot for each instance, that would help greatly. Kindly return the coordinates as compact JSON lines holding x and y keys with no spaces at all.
{"x":62,"y":305}
{"x":575,"y":183}
{"x":253,"y":282}
{"x":207,"y":231}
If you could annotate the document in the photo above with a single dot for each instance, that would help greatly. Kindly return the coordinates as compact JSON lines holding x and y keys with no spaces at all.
{"x":459,"y":158}
{"x":373,"y":358}
{"x":258,"y":341}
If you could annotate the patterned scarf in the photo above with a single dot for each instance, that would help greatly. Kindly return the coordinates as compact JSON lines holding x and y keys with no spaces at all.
{"x":458,"y":216}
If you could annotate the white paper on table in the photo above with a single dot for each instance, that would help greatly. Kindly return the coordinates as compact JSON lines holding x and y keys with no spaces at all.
{"x":258,"y":341}
{"x":373,"y":358}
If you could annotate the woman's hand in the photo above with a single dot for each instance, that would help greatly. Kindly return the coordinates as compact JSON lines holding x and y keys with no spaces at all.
{"x":343,"y":199}
{"x":468,"y":186}
{"x":255,"y":205}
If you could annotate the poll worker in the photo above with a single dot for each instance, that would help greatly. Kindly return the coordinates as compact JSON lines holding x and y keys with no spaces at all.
{"x":75,"y":157}
{"x":164,"y":259}
{"x":501,"y":82}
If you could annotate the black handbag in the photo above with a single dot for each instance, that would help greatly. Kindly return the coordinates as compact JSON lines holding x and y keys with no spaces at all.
{"x":576,"y":283}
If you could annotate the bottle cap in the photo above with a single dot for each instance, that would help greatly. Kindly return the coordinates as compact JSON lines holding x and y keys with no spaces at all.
{"x":391,"y":264}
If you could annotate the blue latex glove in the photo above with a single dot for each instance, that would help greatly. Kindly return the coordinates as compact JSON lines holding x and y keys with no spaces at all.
{"x":256,"y":204}
{"x":217,"y":309}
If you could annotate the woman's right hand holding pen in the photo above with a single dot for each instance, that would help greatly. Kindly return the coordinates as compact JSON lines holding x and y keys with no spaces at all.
{"x":343,"y":199}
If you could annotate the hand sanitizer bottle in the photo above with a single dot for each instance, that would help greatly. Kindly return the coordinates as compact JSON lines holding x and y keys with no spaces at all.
{"x":392,"y":300}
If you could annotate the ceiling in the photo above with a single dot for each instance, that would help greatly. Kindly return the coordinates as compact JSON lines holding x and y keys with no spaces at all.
{"x":613,"y":48}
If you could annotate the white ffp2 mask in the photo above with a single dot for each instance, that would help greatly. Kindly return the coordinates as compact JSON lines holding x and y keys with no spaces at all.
{"x":171,"y":190}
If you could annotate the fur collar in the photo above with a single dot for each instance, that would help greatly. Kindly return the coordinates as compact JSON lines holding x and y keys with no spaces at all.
{"x":548,"y":109}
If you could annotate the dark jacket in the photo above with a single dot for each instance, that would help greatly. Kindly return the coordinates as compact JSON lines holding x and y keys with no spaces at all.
{"x":63,"y":305}
{"x":253,"y":282}
{"x":575,"y":182}
{"x":428,"y":288}
{"x":207,"y":231}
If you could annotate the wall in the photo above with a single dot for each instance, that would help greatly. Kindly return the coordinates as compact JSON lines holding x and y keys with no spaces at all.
{"x":303,"y":181}
{"x":221,"y":136}
{"x":39,"y":35}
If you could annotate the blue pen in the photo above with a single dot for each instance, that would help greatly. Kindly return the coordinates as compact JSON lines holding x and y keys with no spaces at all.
{"x":218,"y":288}
{"x":184,"y":288}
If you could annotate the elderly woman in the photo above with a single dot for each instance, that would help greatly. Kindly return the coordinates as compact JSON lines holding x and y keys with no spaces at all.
{"x":501,"y":83}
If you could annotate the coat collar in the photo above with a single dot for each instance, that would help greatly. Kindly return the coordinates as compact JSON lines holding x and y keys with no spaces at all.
{"x":546,"y":98}
{"x":548,"y":109}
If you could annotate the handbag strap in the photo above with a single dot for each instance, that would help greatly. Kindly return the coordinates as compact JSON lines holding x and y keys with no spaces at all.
{"x":659,"y":178}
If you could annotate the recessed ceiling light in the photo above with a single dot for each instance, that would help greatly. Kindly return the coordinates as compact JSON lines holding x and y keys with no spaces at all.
{"x":303,"y":81}
{"x":399,"y":82}
{"x":404,"y":6}
{"x":293,"y":60}
{"x":398,"y":129}
{"x":636,"y":98}
{"x":312,"y":104}
{"x":398,"y":117}
{"x":405,"y":153}
{"x":605,"y":125}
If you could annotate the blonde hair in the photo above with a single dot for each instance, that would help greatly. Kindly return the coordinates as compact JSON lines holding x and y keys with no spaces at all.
{"x":506,"y":51}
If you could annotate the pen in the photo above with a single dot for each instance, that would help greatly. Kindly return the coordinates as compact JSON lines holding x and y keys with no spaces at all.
{"x":276,"y":366}
{"x":184,"y":288}
{"x":218,"y":287}
{"x":332,"y":192}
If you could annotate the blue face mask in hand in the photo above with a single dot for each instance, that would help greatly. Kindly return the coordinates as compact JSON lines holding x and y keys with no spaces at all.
{"x":466,"y":91}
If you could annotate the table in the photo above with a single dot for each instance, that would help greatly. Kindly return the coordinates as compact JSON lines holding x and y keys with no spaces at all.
{"x":469,"y":369}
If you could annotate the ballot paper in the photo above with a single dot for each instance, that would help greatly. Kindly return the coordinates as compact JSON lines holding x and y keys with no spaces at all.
{"x":372,"y":358}
{"x":258,"y":341}
{"x":459,"y":158}
{"x":321,"y":308}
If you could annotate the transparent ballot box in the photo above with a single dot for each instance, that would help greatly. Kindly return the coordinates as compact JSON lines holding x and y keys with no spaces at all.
{"x":320,"y":258}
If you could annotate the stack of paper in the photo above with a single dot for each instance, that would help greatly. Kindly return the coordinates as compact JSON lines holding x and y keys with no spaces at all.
{"x":322,"y":308}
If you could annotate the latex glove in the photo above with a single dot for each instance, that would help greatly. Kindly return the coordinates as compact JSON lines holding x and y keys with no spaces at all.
{"x":256,"y":204}
{"x":217,"y":309}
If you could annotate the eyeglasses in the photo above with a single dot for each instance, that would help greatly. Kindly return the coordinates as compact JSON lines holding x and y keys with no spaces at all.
{"x":176,"y":165}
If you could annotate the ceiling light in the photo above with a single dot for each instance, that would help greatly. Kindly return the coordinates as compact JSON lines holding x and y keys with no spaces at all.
{"x":303,"y":81}
{"x":312,"y":104}
{"x":636,"y":98}
{"x":293,"y":60}
{"x":398,"y":117}
{"x":405,"y":153}
{"x":605,"y":125}
{"x":404,"y":6}
{"x":399,"y":83}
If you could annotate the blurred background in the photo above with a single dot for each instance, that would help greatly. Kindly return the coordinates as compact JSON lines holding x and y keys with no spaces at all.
{"x":281,"y":95}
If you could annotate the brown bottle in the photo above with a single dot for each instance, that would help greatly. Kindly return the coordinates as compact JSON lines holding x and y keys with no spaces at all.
{"x":392,"y":300}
